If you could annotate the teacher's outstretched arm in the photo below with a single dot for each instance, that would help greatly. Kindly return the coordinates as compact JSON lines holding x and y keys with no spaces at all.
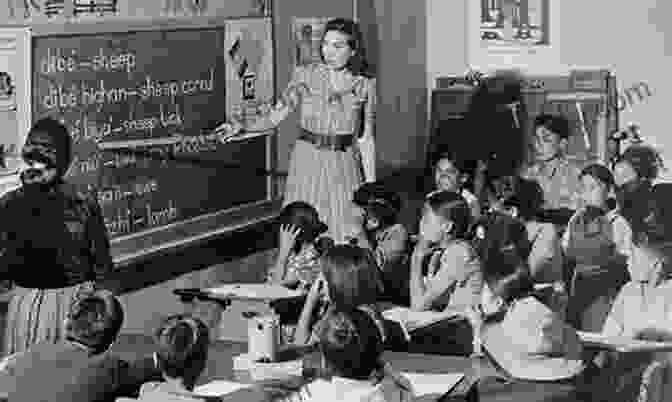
{"x":289,"y":101}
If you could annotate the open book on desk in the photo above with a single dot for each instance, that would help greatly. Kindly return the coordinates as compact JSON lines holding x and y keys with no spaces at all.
{"x":621,"y":343}
{"x":411,"y":320}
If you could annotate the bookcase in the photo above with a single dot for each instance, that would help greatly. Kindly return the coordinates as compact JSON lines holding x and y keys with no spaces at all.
{"x":587,"y":99}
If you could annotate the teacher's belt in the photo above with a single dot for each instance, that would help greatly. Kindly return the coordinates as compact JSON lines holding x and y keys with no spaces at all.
{"x":339,"y":142}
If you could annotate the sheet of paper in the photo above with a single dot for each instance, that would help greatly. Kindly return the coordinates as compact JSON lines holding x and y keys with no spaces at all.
{"x":433,"y":384}
{"x":411,"y":320}
{"x":261,"y":291}
{"x":622,"y":344}
{"x":219,"y":388}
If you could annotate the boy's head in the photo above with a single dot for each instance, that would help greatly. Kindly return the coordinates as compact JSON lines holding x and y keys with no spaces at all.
{"x":381,"y":206}
{"x":596,"y":185}
{"x":551,"y":133}
{"x":182,"y":348}
{"x":449,"y":172}
{"x":47,"y":153}
{"x":352,"y":276}
{"x":351,"y":342}
{"x":446,"y":213}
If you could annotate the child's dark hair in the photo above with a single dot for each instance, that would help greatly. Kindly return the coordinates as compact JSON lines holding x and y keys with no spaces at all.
{"x":504,"y":247}
{"x":557,"y":124}
{"x":598,"y":172}
{"x":351,"y":342}
{"x":352,"y":276}
{"x":644,"y":159}
{"x":379,"y":201}
{"x":650,"y":216}
{"x":304,"y":216}
{"x":528,"y":198}
{"x":182,"y":346}
{"x":94,"y":319}
{"x":451,"y":206}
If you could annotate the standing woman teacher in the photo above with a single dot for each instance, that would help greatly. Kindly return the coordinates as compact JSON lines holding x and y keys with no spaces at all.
{"x":334,"y":153}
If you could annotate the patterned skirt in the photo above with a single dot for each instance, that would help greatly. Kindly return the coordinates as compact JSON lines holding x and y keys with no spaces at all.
{"x":38,"y":315}
{"x":327,"y":180}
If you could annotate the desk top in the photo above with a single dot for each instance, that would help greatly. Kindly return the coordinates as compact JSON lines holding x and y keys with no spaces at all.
{"x":220,"y":366}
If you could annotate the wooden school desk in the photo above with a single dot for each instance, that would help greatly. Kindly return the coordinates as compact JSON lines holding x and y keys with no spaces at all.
{"x":474,"y":370}
{"x":221,"y":354}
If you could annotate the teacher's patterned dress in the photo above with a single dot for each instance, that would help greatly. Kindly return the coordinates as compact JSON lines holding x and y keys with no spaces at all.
{"x":324,"y":176}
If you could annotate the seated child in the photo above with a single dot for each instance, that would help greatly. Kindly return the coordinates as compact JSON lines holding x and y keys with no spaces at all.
{"x":379,"y":231}
{"x":523,"y":202}
{"x":453,"y":276}
{"x":523,"y":336}
{"x":642,"y":308}
{"x":297,"y":263}
{"x":349,"y":278}
{"x":635,"y":172}
{"x":445,"y":275}
{"x":351,"y":344}
{"x":183,"y":343}
{"x":450,"y":175}
{"x":596,"y":240}
{"x":557,"y":175}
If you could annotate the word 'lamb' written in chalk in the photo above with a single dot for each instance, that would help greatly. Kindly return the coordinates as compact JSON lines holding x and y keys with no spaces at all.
{"x":127,"y":221}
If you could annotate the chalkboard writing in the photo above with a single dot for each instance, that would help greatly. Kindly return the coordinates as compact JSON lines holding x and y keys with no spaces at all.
{"x":164,"y":89}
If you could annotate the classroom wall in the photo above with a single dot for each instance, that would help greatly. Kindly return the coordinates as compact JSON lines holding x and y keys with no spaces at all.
{"x":625,"y":36}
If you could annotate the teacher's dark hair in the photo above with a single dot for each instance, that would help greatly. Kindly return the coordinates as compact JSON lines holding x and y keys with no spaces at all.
{"x":357,"y":63}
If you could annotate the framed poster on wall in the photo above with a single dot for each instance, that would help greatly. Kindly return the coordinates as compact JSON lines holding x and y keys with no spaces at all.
{"x":514,"y":34}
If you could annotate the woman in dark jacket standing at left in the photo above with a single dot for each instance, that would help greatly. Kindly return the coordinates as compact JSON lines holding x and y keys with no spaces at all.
{"x":53,"y":240}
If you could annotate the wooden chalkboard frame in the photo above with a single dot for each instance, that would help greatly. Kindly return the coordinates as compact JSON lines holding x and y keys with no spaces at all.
{"x":131,"y":249}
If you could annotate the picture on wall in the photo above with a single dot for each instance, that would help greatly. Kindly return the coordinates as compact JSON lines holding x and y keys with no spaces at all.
{"x":306,"y":37}
{"x":514,"y":23}
{"x":521,"y":34}
{"x":248,"y":52}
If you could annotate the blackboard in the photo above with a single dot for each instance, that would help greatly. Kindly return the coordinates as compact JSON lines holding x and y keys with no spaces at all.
{"x":162,"y":87}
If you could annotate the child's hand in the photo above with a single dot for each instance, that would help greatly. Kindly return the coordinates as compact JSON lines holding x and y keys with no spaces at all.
{"x":288,"y":235}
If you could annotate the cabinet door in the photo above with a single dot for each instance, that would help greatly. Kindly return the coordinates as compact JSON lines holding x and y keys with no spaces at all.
{"x":402,"y":84}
